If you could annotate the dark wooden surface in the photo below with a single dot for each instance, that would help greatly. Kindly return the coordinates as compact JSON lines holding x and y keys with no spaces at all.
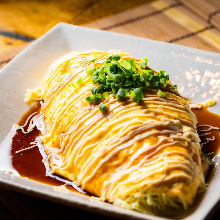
{"x":14,"y":205}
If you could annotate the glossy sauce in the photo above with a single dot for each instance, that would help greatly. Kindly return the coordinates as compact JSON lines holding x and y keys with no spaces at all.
{"x":206,"y":117}
{"x":29,"y":163}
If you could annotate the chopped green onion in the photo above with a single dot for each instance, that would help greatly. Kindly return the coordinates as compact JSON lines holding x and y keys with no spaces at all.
{"x":88,"y":99}
{"x":103,"y":107}
{"x":155,"y":78}
{"x":107,"y":62}
{"x":72,"y":84}
{"x":101,"y":70}
{"x":115,"y":87}
{"x":121,"y":94}
{"x":100,"y":88}
{"x":105,"y":95}
{"x":96,"y":73}
{"x":128,"y":84}
{"x":116,"y":57}
{"x":94,"y":79}
{"x":90,"y":70}
{"x":143,"y":63}
{"x":71,"y":87}
{"x":143,"y":66}
{"x":93,"y":90}
{"x":137,"y":95}
{"x":144,"y":60}
{"x":118,"y":78}
{"x":162,"y":72}
{"x":125,"y":64}
{"x":109,"y":58}
{"x":109,"y":81}
{"x":161,"y":94}
{"x":99,"y":96}
{"x":115,"y":66}
{"x":101,"y":79}
{"x":135,"y":77}
{"x":145,"y":74}
{"x":163,"y":82}
{"x":95,"y":98}
{"x":109,"y":68}
{"x":146,"y":84}
{"x":93,"y":60}
{"x":156,"y":85}
{"x":107,"y":86}
{"x":133,"y":63}
{"x":68,"y":88}
{"x":80,"y":81}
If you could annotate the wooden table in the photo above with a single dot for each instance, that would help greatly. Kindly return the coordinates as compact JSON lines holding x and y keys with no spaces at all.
{"x":191,"y":23}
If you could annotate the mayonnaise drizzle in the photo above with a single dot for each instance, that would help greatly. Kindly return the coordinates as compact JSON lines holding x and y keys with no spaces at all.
{"x":89,"y":141}
{"x":210,"y":128}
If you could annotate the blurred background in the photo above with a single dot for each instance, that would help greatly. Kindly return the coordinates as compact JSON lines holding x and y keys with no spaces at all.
{"x":24,"y":20}
{"x":193,"y":23}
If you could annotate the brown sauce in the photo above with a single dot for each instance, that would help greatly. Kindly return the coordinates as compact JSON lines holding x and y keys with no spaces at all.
{"x":29,"y":163}
{"x":206,"y":117}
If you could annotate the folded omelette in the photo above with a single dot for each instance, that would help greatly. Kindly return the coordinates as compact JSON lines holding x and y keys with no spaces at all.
{"x":141,"y":155}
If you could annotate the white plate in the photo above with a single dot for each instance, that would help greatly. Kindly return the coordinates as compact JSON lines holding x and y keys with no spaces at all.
{"x":196,"y":72}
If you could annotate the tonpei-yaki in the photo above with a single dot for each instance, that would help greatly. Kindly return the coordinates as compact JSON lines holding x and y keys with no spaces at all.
{"x":121,"y":131}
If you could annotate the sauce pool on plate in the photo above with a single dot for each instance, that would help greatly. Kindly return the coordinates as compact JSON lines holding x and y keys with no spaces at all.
{"x":208,"y":119}
{"x":29,"y":163}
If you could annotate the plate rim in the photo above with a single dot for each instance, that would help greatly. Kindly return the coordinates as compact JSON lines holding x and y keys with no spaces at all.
{"x":87,"y":205}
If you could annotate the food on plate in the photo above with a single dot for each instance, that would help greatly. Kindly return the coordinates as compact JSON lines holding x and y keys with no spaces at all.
{"x":121,"y":131}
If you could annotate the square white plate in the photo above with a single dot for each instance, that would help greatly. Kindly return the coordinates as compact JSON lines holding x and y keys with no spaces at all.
{"x":196,"y":72}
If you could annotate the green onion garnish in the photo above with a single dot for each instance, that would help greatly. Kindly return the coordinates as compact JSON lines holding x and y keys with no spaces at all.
{"x":90,"y":70}
{"x":136,"y":76}
{"x":116,"y":57}
{"x":80,"y":81}
{"x":121,"y":94}
{"x":145,"y":60}
{"x":125,"y":64}
{"x":115,"y":87}
{"x":145,"y":83}
{"x":109,"y":58}
{"x":100,"y":88}
{"x":105,"y":95}
{"x":107,"y":62}
{"x":143,"y":64}
{"x":101,"y":70}
{"x":92,"y":60}
{"x":119,"y":76}
{"x":72,"y":84}
{"x":95,"y":98}
{"x":88,"y":99}
{"x":137,"y":95}
{"x":161,"y":94}
{"x":93,"y":90}
{"x":69,"y":89}
{"x":103,"y":107}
